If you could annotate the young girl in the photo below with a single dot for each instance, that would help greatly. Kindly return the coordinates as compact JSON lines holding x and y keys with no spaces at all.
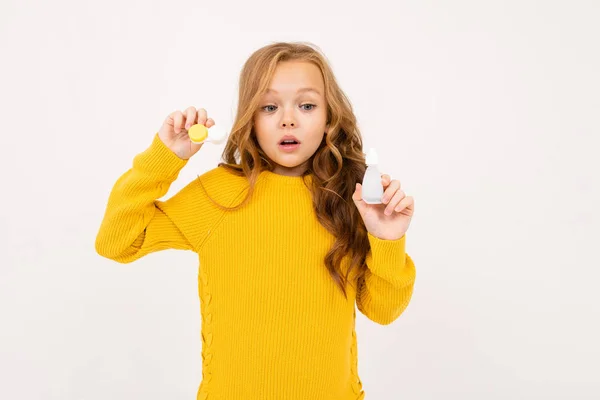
{"x":286,"y":245}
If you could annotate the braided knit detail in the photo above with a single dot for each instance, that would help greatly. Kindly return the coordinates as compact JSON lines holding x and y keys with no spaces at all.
{"x":356,"y":383}
{"x":207,"y":335}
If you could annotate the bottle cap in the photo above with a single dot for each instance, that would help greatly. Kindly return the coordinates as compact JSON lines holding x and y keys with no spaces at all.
{"x":372,"y":158}
{"x":198,"y":133}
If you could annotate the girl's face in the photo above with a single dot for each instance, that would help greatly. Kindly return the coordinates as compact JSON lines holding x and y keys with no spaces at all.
{"x":294,"y":105}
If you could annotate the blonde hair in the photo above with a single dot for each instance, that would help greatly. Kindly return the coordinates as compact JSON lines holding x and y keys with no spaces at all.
{"x":336,"y":165}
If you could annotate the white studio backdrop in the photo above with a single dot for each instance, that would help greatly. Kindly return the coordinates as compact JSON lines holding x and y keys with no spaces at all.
{"x":486,"y":111}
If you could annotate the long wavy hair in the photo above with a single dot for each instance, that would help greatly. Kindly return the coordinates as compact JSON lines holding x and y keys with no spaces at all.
{"x":335,"y":166}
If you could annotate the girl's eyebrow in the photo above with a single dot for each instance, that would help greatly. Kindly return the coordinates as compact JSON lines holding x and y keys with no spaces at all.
{"x":306,"y":89}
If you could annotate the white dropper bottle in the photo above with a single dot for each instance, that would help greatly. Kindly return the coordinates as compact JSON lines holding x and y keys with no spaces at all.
{"x":372,"y":188}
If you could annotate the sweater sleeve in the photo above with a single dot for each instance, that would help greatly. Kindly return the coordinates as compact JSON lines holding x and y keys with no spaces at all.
{"x":385,"y":290}
{"x":134,"y":222}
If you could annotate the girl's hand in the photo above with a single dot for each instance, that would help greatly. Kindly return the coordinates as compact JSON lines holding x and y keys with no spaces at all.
{"x":390,"y":220}
{"x":174,"y":131}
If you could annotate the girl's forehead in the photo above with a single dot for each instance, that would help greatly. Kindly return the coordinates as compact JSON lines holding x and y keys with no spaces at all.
{"x":293,"y":88}
{"x":294,"y":77}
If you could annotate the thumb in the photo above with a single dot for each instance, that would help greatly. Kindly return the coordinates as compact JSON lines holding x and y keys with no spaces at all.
{"x":357,"y":197}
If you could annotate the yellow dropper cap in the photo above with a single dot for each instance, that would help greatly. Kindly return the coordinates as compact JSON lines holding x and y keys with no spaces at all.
{"x":198,"y":133}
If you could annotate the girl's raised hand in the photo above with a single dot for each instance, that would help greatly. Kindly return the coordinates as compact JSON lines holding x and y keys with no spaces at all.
{"x":389,"y":220}
{"x":174,"y":131}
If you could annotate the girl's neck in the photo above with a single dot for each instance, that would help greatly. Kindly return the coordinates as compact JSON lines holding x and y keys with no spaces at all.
{"x":298,"y":170}
{"x":274,"y":177}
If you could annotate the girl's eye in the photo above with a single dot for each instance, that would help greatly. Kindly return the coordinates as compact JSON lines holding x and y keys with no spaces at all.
{"x":266,"y":108}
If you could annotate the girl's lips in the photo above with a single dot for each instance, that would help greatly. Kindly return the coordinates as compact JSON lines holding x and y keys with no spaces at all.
{"x":288,"y":138}
{"x":288,"y":148}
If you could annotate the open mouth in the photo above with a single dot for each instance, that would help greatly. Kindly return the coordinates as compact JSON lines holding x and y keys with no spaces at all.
{"x":289,"y":145}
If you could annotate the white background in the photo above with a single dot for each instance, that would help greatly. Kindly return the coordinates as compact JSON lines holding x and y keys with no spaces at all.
{"x":486,"y":111}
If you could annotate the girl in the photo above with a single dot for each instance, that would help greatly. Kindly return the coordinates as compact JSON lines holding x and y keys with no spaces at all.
{"x":286,"y":245}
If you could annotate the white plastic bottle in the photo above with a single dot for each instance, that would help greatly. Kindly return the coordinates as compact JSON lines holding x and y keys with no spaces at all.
{"x":372,"y":188}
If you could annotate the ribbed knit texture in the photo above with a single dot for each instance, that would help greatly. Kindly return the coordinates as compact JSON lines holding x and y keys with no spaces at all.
{"x":275,"y":326}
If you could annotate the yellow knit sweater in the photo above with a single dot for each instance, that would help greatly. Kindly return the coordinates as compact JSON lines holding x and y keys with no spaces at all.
{"x":274,"y":324}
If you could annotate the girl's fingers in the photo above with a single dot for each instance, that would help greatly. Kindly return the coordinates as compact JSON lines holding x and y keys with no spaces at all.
{"x":389,"y":192}
{"x":202,"y":117}
{"x":385,"y":179}
{"x":406,"y":202}
{"x":178,"y":121}
{"x":190,"y":117}
{"x":394,"y":202}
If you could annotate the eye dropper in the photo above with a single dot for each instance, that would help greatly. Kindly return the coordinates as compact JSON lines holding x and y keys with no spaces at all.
{"x":372,"y":188}
{"x":199,"y":133}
